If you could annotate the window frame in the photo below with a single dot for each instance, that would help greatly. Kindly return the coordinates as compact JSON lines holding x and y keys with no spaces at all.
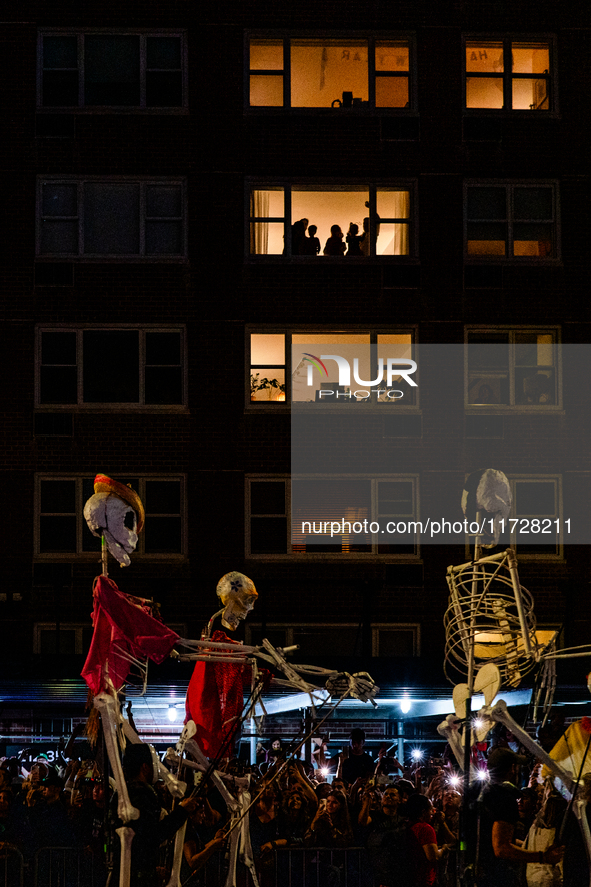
{"x":507,"y":77}
{"x":81,"y":406}
{"x":376,"y":627}
{"x":285,"y":406}
{"x":77,"y":627}
{"x":322,"y":183}
{"x":339,"y":557}
{"x":357,"y":111}
{"x":94,"y":556}
{"x":513,"y":479}
{"x":512,"y":408}
{"x":143,"y":182}
{"x":510,"y":185}
{"x":142,"y":33}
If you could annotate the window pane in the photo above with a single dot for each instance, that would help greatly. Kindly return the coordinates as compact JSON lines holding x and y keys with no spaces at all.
{"x":393,"y":204}
{"x":532,"y":203}
{"x":486,"y":239}
{"x":266,"y":55}
{"x":392,"y":55}
{"x":487,"y":203}
{"x":267,"y":204}
{"x":392,"y":92}
{"x":322,"y":71}
{"x":267,"y":348}
{"x":110,"y":368}
{"x":266,"y":90}
{"x":162,"y":497}
{"x":268,"y":535}
{"x":534,"y":349}
{"x":535,"y":387}
{"x":163,"y":52}
{"x":48,"y":641}
{"x":393,"y":240}
{"x":112,"y":70}
{"x":317,"y":501}
{"x":162,"y":535}
{"x":164,"y":238}
{"x":58,"y":385}
{"x":535,"y":499}
{"x":58,"y":496}
{"x":60,"y":89}
{"x":532,"y":240}
{"x":164,"y":385}
{"x":484,"y":92}
{"x":164,"y":89}
{"x":484,"y":390}
{"x":267,"y":497}
{"x":327,"y":209}
{"x":59,"y":238}
{"x":395,"y":497}
{"x":267,"y":384}
{"x":488,"y":350}
{"x":163,"y":348}
{"x":266,"y":238}
{"x":163,"y":201}
{"x":89,"y":541}
{"x":59,"y":200}
{"x":111,"y":219}
{"x":395,"y":642}
{"x":530,"y":94}
{"x":60,"y":52}
{"x":484,"y":57}
{"x":530,"y":58}
{"x":58,"y":348}
{"x":335,"y":640}
{"x":57,"y":534}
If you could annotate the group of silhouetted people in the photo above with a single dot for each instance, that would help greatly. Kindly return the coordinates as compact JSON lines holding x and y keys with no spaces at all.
{"x":353,"y":244}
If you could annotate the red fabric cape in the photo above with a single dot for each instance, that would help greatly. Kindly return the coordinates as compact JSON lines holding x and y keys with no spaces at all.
{"x":121,"y":626}
{"x":215,"y":700}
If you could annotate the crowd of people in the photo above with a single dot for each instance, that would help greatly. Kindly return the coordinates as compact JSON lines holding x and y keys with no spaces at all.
{"x":403,"y":818}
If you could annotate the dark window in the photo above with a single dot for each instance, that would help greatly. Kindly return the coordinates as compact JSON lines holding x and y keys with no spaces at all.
{"x":129,"y":71}
{"x":124,"y":366}
{"x":511,"y":221}
{"x":96,"y":219}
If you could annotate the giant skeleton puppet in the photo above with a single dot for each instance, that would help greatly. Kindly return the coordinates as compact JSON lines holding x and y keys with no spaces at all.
{"x":491,"y":641}
{"x":127,"y":634}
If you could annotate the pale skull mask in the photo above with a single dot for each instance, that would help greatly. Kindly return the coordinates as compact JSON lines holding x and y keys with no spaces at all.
{"x":109,"y":516}
{"x":238,"y":595}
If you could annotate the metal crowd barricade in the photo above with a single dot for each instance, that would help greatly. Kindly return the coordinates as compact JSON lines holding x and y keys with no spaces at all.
{"x":293,"y":867}
{"x":66,"y":867}
{"x":12,"y":866}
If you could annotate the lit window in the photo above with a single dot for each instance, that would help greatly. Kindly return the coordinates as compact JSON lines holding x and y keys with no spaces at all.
{"x":115,"y":218}
{"x":61,"y":528}
{"x":278,"y":362}
{"x":512,"y":368}
{"x":319,"y":221}
{"x":311,"y":503}
{"x":119,"y":70}
{"x":340,"y":74}
{"x":511,"y":221}
{"x":126,"y":366}
{"x":509,"y":74}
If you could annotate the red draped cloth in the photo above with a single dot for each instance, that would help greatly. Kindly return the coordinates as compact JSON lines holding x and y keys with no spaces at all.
{"x":123,"y":626}
{"x":215,"y":700}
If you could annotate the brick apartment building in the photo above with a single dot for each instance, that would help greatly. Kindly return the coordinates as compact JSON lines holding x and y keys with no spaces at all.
{"x":155,"y":159}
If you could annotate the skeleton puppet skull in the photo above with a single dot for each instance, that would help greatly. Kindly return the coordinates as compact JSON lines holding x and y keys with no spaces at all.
{"x":238,"y":595}
{"x":115,"y":512}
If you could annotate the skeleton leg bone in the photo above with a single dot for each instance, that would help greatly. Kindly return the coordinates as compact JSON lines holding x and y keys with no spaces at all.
{"x":179,"y":843}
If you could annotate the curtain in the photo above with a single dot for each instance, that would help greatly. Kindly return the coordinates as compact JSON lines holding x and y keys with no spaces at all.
{"x":259,"y":230}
